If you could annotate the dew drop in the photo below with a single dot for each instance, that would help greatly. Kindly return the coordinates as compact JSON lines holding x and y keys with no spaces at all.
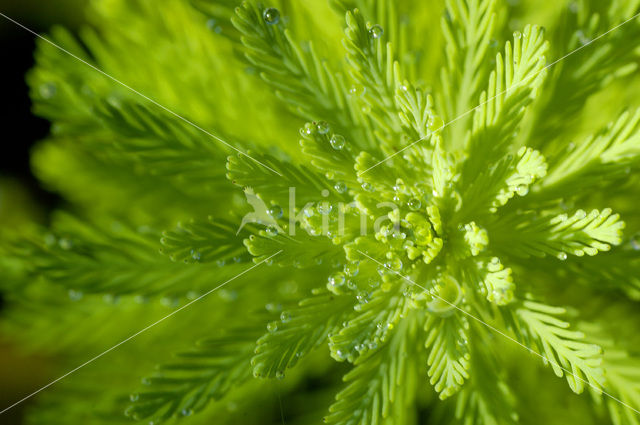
{"x":285,"y":316}
{"x":367,"y":187}
{"x":272,"y":327}
{"x":186,"y":412}
{"x":324,"y":208}
{"x":280,"y":374}
{"x":271,"y":231}
{"x":635,"y":242}
{"x":517,"y":35}
{"x":337,"y":142}
{"x":336,"y":280}
{"x":562,"y":256}
{"x":75,"y":295}
{"x":351,"y":269}
{"x":134,"y":397}
{"x":376,"y":31}
{"x":65,"y":244}
{"x":414,"y":204}
{"x":195,"y":255}
{"x":435,"y":123}
{"x":275,"y":211}
{"x":357,"y":90}
{"x":271,"y":16}
{"x":522,"y":189}
{"x":323,"y":127}
{"x":48,"y":90}
{"x":340,"y":187}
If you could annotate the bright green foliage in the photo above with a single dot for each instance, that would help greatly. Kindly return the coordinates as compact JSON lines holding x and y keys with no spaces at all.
{"x":439,"y":212}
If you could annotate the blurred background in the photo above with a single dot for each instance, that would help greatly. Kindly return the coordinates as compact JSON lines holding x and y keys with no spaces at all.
{"x":22,"y":199}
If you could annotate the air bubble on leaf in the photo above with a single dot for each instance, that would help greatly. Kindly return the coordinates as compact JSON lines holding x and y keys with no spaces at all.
{"x":414,"y":204}
{"x":522,"y":189}
{"x":323,"y":127}
{"x":337,"y":142}
{"x":271,"y":16}
{"x":275,"y":211}
{"x":340,"y":187}
{"x":376,"y":31}
{"x":272,"y":327}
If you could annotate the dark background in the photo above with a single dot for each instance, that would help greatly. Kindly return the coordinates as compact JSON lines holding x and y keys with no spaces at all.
{"x":20,"y":129}
{"x":19,"y":374}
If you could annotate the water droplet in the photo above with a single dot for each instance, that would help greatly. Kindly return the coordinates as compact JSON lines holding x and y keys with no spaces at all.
{"x":376,"y":31}
{"x":562,"y":256}
{"x":323,"y":127}
{"x":517,"y":35}
{"x":522,"y":189}
{"x":324,"y":193}
{"x":357,"y":90}
{"x":275,"y":211}
{"x":340,"y":355}
{"x":582,"y":38}
{"x":394,"y":263}
{"x":340,"y":187}
{"x":635,"y":242}
{"x":574,"y":7}
{"x":271,"y":231}
{"x":75,"y":295}
{"x":271,"y":16}
{"x":324,"y":208}
{"x":414,"y":204}
{"x":351,"y":269}
{"x":280,"y":374}
{"x":337,"y":142}
{"x":363,"y":297}
{"x":367,"y":187}
{"x":48,"y":90}
{"x":65,"y":244}
{"x":186,"y":412}
{"x":285,"y":316}
{"x":272,"y":327}
{"x":195,"y":255}
{"x":134,"y":397}
{"x":336,"y":280}
{"x":435,"y":123}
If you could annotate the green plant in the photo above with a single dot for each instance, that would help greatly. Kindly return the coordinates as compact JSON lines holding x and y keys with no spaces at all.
{"x":491,"y":177}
